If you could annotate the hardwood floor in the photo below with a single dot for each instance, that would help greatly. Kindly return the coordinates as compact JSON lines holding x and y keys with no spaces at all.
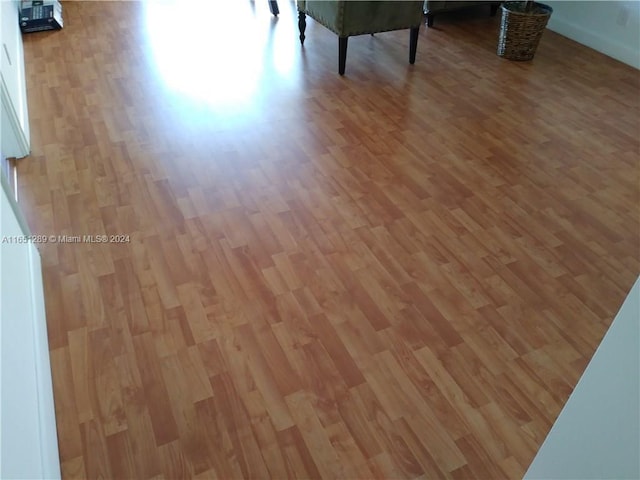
{"x":396,"y":274}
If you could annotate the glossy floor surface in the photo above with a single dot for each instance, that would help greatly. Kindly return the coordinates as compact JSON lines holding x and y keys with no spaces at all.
{"x":397,"y":273}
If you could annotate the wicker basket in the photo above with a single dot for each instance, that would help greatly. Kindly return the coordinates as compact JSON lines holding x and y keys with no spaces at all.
{"x":520,"y":31}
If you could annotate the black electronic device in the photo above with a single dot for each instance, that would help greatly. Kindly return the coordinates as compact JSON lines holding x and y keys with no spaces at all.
{"x":39,"y":15}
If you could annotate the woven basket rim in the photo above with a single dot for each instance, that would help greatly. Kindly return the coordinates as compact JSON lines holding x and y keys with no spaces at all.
{"x":548,"y":10}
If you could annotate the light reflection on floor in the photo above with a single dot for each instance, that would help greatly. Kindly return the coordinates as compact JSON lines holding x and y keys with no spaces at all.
{"x":208,"y":52}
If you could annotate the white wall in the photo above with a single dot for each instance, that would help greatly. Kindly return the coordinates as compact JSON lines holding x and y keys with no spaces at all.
{"x":597,"y":435}
{"x":29,"y":446}
{"x":14,"y":138}
{"x":610,"y":27}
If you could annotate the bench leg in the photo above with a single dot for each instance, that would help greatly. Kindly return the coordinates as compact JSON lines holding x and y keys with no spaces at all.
{"x":302,"y":26}
{"x":430,"y":19}
{"x":342,"y":54}
{"x":413,"y":44}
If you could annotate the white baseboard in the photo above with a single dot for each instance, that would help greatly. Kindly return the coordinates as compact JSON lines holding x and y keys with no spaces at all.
{"x":592,"y":39}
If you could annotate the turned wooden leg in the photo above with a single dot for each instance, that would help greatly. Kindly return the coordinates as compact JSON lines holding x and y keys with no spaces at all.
{"x":273,"y":7}
{"x":413,"y":44}
{"x":302,"y":26}
{"x":342,"y":54}
{"x":494,"y":9}
{"x":430,"y":20}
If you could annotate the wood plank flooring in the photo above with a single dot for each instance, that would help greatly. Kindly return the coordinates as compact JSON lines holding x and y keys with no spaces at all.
{"x":401,"y":273}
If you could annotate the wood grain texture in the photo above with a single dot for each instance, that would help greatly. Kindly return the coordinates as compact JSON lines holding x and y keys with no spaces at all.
{"x":401,"y":273}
